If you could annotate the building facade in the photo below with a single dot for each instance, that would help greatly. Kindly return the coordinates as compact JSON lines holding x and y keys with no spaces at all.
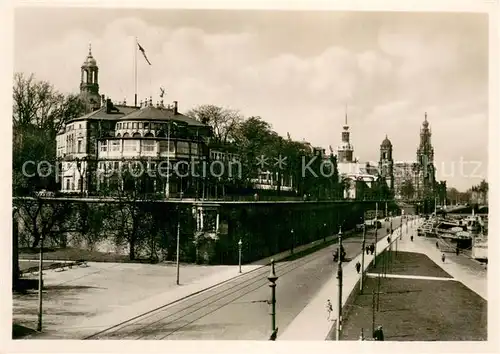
{"x":95,"y":151}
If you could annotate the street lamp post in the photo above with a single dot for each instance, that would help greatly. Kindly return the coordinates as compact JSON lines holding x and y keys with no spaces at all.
{"x":362,"y":257}
{"x":178,"y":244}
{"x":324,"y":232}
{"x":390,"y":244}
{"x":240,"y":244}
{"x":79,"y":168}
{"x":376,"y":236}
{"x":167,"y":192}
{"x":272,"y":284}
{"x":15,"y":249}
{"x":339,"y":278}
{"x":40,"y":287}
{"x":293,"y":242}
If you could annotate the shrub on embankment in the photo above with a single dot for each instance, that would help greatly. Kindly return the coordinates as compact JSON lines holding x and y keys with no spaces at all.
{"x":149,"y":230}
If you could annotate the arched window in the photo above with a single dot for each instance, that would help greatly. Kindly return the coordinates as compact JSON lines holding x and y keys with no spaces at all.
{"x":126,"y":135}
{"x":118,"y":135}
{"x":136,"y":135}
{"x":161,"y":134}
{"x":149,"y":135}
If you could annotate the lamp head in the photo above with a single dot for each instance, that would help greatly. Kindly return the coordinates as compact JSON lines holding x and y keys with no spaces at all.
{"x":272,"y":273}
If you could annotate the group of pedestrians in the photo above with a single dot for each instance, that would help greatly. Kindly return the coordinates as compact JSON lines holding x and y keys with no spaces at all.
{"x":370,"y":249}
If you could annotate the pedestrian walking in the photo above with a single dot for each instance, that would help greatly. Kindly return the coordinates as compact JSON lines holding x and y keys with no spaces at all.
{"x":388,"y":239}
{"x":411,"y":238}
{"x":443,"y":257}
{"x":372,"y":248}
{"x":367,"y":248}
{"x":457,"y":251}
{"x":378,"y":334}
{"x":437,"y":245}
{"x":358,"y":267}
{"x":329,"y":309}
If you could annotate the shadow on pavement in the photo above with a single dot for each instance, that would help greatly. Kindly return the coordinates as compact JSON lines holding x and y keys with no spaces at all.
{"x":19,"y":331}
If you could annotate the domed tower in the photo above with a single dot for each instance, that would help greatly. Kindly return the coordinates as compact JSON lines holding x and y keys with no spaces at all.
{"x":345,"y":150}
{"x":89,"y":82}
{"x":386,"y":162}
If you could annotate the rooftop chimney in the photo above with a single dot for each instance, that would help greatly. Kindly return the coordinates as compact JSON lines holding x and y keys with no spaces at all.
{"x":103,"y":100}
{"x":175,"y":108}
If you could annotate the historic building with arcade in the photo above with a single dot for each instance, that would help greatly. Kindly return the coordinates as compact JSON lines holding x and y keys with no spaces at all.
{"x":111,"y":137}
{"x":173,"y":151}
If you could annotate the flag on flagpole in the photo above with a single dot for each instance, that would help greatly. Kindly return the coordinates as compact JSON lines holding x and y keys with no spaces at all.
{"x":143,"y":53}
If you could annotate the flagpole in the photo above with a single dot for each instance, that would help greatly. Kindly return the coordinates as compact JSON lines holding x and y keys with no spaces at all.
{"x":135,"y":72}
{"x":150,"y":84}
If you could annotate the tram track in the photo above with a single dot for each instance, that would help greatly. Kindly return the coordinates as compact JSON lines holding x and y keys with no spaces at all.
{"x":168,"y":319}
{"x":228,"y":292}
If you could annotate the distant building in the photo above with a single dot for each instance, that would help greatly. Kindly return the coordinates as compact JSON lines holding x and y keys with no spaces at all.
{"x":405,"y":179}
{"x":478,"y":197}
{"x":416,"y":179}
{"x":355,"y":174}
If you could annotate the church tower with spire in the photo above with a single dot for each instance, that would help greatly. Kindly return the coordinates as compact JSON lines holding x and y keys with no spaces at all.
{"x":425,"y":160}
{"x":386,"y":163}
{"x":345,"y":150}
{"x":89,"y":82}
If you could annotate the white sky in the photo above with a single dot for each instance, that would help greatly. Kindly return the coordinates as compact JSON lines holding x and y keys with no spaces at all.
{"x":297,"y":70}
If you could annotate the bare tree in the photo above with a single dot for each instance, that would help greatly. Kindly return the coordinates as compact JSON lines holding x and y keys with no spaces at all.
{"x":39,"y":112}
{"x":42,"y":219}
{"x":222,"y":121}
{"x":133,"y":202}
{"x":34,"y":101}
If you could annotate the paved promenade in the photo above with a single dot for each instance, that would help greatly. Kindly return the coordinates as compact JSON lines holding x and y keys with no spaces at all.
{"x":469,"y":272}
{"x":312,"y":322}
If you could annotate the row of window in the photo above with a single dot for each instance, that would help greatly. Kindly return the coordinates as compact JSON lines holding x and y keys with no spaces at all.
{"x":138,"y":135}
{"x":141,"y":125}
{"x":72,"y":127}
{"x":115,"y":165}
{"x":216,"y":155}
{"x":183,"y":147}
{"x":70,"y":145}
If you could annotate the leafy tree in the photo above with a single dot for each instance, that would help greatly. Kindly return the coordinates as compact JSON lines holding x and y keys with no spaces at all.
{"x":407,"y":189}
{"x":253,"y":138}
{"x":453,"y":195}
